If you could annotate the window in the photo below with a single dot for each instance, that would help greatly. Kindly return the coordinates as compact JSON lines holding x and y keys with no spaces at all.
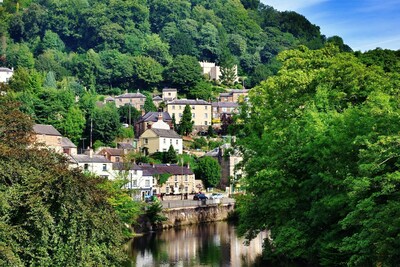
{"x":169,"y":94}
{"x":86,"y":167}
{"x":223,"y":109}
{"x":104,"y":167}
{"x":177,"y":151}
{"x":205,"y":122}
{"x":135,"y":172}
{"x":117,"y":159}
{"x":186,"y":177}
{"x":186,"y":189}
{"x":180,"y":107}
{"x":147,"y":183}
{"x":104,"y":176}
{"x":170,"y":141}
{"x":167,"y":189}
{"x":146,"y":141}
{"x":205,"y":107}
{"x":177,"y":142}
{"x":164,"y":150}
{"x":180,"y":115}
{"x":206,"y":115}
{"x":193,"y":107}
{"x":164,"y":141}
{"x":134,"y":183}
{"x":176,"y":178}
{"x":176,"y":185}
{"x":193,"y":115}
{"x":173,"y":107}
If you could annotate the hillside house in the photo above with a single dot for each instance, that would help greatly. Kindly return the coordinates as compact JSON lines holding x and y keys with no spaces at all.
{"x":148,"y":120}
{"x":6,"y":74}
{"x":201,"y":111}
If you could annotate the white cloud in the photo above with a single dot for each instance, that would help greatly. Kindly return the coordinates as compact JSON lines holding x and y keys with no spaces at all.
{"x":292,"y":5}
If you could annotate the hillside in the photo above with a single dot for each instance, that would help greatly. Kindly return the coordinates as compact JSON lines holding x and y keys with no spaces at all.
{"x":118,"y":45}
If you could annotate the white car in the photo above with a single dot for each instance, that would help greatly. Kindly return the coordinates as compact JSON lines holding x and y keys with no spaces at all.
{"x":216,"y":196}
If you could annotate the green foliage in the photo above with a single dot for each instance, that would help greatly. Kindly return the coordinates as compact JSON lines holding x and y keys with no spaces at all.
{"x":199,"y":143}
{"x":324,"y":173}
{"x":154,"y":213}
{"x":50,"y":80}
{"x":184,"y":72}
{"x":209,"y":171}
{"x":50,"y":215}
{"x":149,"y":104}
{"x":171,"y":156}
{"x":186,"y":123}
{"x":105,"y":122}
{"x":120,"y":199}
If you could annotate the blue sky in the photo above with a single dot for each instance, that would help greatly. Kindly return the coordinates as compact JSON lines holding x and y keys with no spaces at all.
{"x":363,"y":24}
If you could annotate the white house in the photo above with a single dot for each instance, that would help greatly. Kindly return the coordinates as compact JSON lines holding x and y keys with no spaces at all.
{"x":6,"y":74}
{"x":139,"y":180}
{"x":95,"y":164}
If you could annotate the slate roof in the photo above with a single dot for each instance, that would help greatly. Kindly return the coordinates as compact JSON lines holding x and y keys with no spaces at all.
{"x":83,"y":158}
{"x":131,"y":95}
{"x":65,"y":142}
{"x":225,"y":104}
{"x":169,"y":90}
{"x":153,"y":116}
{"x":125,"y":145}
{"x":157,"y":97}
{"x":125,"y":166}
{"x":188,"y":102}
{"x":173,"y":169}
{"x":45,"y":129}
{"x":114,"y":151}
{"x":166,"y":133}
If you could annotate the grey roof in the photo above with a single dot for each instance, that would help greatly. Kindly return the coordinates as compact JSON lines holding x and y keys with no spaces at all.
{"x":153,"y":116}
{"x":157,"y":97}
{"x":45,"y":129}
{"x":188,"y":102}
{"x":225,"y":94}
{"x":125,"y":166}
{"x":83,"y":158}
{"x":3,"y":69}
{"x":239,"y":91}
{"x":225,"y":104}
{"x":166,"y":133}
{"x":113,"y":151}
{"x":125,"y":145}
{"x":65,"y":142}
{"x":109,"y":98}
{"x":169,"y":90}
{"x":131,"y":95}
{"x":150,"y":170}
{"x":173,"y":169}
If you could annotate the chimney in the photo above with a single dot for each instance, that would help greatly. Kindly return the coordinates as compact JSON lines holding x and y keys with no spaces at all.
{"x":160,"y":117}
{"x":188,"y":165}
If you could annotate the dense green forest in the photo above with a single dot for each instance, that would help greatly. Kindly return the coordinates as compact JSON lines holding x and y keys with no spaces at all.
{"x":124,"y":45}
{"x":321,"y":145}
{"x":67,"y":54}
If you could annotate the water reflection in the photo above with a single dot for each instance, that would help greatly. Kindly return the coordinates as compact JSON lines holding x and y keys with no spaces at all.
{"x":200,"y":245}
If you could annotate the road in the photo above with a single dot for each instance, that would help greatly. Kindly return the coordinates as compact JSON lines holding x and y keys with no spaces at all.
{"x":168,"y":204}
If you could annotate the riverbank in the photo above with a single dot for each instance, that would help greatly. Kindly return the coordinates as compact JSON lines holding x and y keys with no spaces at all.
{"x":181,"y":216}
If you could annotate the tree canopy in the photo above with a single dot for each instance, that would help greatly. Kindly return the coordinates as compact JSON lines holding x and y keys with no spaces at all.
{"x":321,"y":161}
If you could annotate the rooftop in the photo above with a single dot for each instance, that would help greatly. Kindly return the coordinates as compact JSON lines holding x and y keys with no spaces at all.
{"x":188,"y":102}
{"x":45,"y":129}
{"x":153,"y":116}
{"x":166,"y":133}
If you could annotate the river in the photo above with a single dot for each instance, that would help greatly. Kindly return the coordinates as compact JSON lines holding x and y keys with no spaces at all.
{"x":214,"y":244}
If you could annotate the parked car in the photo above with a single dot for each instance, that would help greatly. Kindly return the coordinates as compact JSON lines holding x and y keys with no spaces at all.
{"x":199,"y":196}
{"x":216,"y":196}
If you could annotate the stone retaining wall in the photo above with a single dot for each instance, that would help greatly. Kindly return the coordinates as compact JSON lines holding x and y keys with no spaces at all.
{"x":196,"y":215}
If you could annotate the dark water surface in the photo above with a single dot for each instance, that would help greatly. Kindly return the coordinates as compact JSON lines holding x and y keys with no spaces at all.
{"x":214,"y":244}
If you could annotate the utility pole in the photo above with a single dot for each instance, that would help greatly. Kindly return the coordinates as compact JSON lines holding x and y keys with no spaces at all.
{"x":83,"y":144}
{"x":91,"y":132}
